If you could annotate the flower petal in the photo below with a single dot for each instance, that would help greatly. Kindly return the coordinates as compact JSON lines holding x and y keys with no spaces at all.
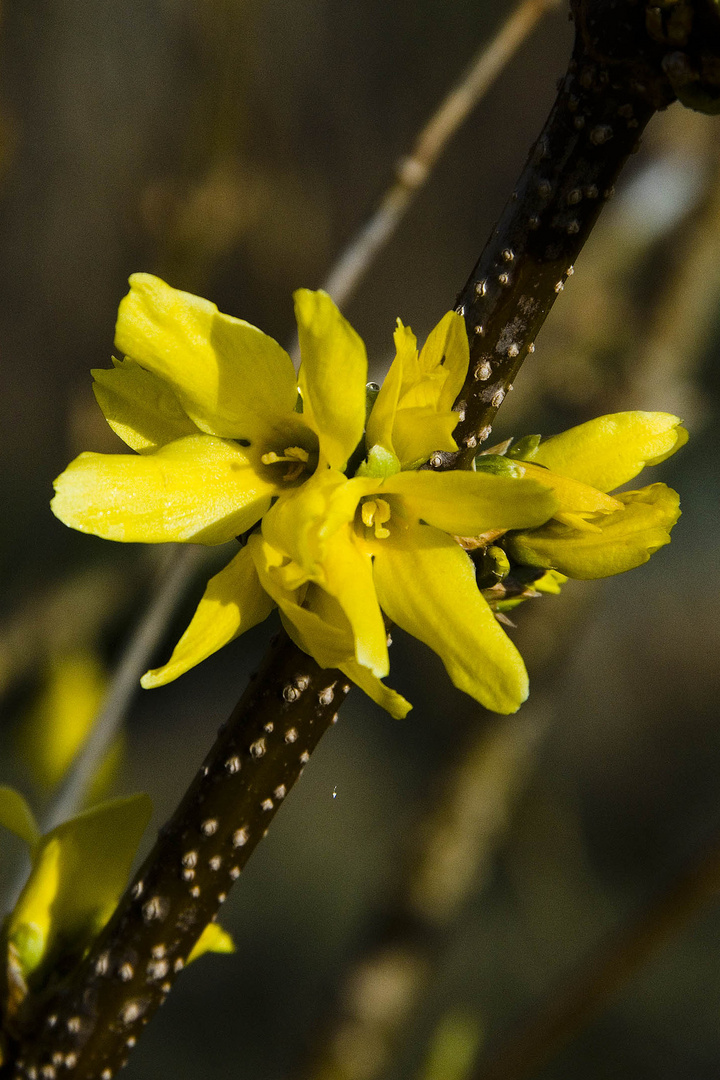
{"x":574,"y":497}
{"x":610,"y":450}
{"x":348,"y":576}
{"x":233,"y":602}
{"x":426,"y":584}
{"x":413,"y":415}
{"x":621,"y":541}
{"x":232,"y":380}
{"x":300,"y":522}
{"x":213,"y":939}
{"x":382,"y":695}
{"x":16,"y":815}
{"x":332,"y":375}
{"x":142,"y":409}
{"x":469,"y":503}
{"x":198,"y":489}
{"x":381,"y":421}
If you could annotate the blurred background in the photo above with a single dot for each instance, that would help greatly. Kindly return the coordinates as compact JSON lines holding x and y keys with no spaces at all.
{"x":431,"y":881}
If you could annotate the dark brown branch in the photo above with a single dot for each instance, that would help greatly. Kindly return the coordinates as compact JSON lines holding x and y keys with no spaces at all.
{"x":90,"y":1024}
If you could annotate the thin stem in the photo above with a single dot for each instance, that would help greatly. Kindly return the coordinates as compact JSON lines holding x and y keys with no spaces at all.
{"x":605,"y":971}
{"x":90,"y":1023}
{"x":413,"y":171}
{"x":133,"y":663}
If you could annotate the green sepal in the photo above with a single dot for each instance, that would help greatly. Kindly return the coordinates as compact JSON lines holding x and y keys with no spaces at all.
{"x":380,"y":464}
{"x":497,"y":465}
{"x":524,"y":449}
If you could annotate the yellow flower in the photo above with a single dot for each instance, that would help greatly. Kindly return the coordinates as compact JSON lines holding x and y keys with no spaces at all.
{"x":603,"y":453}
{"x":209,"y":403}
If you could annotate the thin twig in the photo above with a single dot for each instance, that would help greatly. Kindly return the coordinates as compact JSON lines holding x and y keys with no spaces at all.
{"x":413,"y":171}
{"x":606,"y":970}
{"x":125,"y":682}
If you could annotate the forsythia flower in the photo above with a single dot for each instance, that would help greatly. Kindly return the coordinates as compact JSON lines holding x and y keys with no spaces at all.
{"x":210,"y":404}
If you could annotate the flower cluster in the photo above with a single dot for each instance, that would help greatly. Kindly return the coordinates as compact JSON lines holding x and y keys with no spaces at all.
{"x":339,"y":522}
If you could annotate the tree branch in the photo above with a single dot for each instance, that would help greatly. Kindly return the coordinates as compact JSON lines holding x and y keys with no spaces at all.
{"x":90,"y":1023}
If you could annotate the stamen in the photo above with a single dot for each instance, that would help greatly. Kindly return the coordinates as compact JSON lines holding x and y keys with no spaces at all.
{"x":374,"y":513}
{"x":295,"y":455}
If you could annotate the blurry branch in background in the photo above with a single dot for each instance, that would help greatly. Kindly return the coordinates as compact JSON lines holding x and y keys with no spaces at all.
{"x":413,"y":171}
{"x":452,"y":857}
{"x":342,"y":281}
{"x":567,"y":1009}
{"x":148,"y":633}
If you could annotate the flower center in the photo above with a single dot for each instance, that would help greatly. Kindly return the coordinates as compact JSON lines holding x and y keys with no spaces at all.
{"x":295,"y":456}
{"x":374,"y":513}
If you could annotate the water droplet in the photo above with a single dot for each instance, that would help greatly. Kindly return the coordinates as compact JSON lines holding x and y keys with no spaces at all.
{"x":335,"y":793}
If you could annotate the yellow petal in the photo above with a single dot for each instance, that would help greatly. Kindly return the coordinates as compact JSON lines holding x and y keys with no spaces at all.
{"x":469,"y":503}
{"x":610,"y":450}
{"x":199,"y":489}
{"x":62,"y":716}
{"x":382,"y":695}
{"x":446,"y":353}
{"x":16,"y":815}
{"x":142,"y":409}
{"x":381,"y":421}
{"x":332,"y":376}
{"x":622,"y":540}
{"x":573,"y":496}
{"x":413,"y":415}
{"x":75,"y":883}
{"x":233,"y":602}
{"x":302,"y":520}
{"x":232,"y":380}
{"x":213,"y":939}
{"x":324,"y":633}
{"x":347,"y":575}
{"x":426,"y":584}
